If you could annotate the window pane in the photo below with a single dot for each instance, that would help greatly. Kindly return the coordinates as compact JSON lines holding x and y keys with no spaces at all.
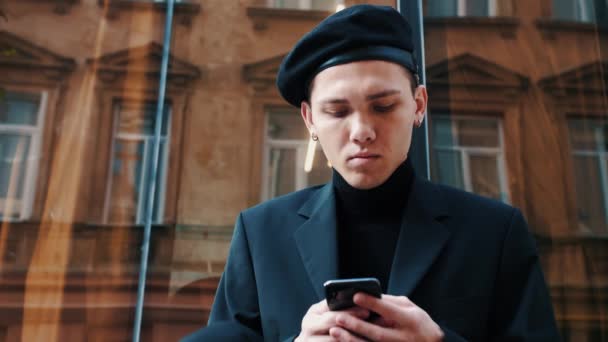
{"x":478,"y":133}
{"x":563,"y":9}
{"x":327,"y":5}
{"x":135,"y":118}
{"x":583,"y":135}
{"x":443,"y":134}
{"x":448,"y":168}
{"x":126,"y":180}
{"x":286,"y":125}
{"x":14,"y":153}
{"x":580,"y":10}
{"x":282,"y":171}
{"x":477,"y":8}
{"x":442,"y":8}
{"x":19,"y":108}
{"x":484,"y":176}
{"x":287,"y":3}
{"x":590,"y":195}
{"x":159,"y":194}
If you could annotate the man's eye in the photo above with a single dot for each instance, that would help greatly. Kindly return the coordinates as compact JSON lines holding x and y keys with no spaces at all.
{"x":337,"y":113}
{"x":383,"y":108}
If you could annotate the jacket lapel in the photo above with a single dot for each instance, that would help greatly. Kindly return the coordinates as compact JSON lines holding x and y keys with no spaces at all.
{"x":316,"y":239}
{"x":421,"y":238}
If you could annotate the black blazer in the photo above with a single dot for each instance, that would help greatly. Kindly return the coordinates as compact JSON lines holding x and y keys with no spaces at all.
{"x":468,"y":261}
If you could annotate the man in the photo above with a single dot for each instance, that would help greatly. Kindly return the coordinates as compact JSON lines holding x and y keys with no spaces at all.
{"x":453,"y":266}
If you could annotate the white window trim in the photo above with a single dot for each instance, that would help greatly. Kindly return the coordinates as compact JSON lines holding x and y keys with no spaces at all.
{"x":33,"y":157}
{"x":302,"y":4}
{"x":462,"y":7}
{"x":143,"y":190}
{"x":467,"y":151}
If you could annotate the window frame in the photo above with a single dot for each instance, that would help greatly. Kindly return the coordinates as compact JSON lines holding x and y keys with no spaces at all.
{"x":466,"y":152}
{"x":580,"y":13}
{"x":163,"y":169}
{"x":303,"y":5}
{"x":299,"y":146}
{"x":600,"y":154}
{"x":461,"y":7}
{"x":33,"y":157}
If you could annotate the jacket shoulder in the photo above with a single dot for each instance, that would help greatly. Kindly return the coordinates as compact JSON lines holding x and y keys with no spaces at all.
{"x":461,"y":202}
{"x":289,"y":203}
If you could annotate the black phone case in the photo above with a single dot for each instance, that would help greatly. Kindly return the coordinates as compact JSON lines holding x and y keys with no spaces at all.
{"x":339,"y":293}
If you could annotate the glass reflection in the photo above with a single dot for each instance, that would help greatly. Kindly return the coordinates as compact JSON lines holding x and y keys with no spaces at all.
{"x":517,"y":113}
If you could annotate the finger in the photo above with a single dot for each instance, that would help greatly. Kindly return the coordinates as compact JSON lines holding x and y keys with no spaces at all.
{"x":343,"y":335}
{"x":399,"y":300}
{"x":325,"y":338}
{"x":359,"y":312}
{"x":384,"y":322}
{"x":363,"y":328}
{"x":319,"y":308}
{"x":382,"y":307}
{"x":319,"y":324}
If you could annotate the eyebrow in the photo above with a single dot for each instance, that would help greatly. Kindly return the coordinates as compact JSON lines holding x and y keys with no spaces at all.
{"x":370,"y":97}
{"x":382,"y":94}
{"x":335,"y":101}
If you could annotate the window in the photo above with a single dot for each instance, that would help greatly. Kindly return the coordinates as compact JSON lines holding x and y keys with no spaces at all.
{"x":21,"y":119}
{"x":588,"y":11}
{"x":468,"y":154}
{"x":461,"y":8}
{"x":292,"y":161}
{"x":322,"y":5}
{"x":131,"y":163}
{"x":590,"y":162}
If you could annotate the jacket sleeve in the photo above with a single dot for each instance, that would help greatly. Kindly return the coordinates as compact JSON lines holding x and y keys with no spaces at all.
{"x":522,"y":310}
{"x":235,"y":313}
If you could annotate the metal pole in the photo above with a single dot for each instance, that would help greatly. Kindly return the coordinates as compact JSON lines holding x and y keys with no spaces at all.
{"x":145,"y":247}
{"x":419,"y":150}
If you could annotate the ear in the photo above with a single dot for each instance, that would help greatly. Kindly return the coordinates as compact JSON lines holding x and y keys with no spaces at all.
{"x":306,"y":112}
{"x":421,"y":99}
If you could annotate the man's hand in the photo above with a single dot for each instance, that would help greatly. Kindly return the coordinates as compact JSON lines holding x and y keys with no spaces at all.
{"x":400,"y":320}
{"x":318,"y":321}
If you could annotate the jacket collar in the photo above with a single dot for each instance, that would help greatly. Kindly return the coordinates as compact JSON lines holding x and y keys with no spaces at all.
{"x":421,"y":238}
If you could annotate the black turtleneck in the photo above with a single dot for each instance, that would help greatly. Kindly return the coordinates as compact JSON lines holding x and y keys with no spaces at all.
{"x":369,"y":222}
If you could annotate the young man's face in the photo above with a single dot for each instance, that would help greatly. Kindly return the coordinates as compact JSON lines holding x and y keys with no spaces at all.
{"x":363,"y":114}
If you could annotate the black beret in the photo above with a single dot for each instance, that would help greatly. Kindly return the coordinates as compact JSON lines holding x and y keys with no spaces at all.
{"x":362,"y":32}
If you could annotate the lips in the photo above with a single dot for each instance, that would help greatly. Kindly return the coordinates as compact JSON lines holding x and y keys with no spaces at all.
{"x":362,"y":158}
{"x":364,"y":155}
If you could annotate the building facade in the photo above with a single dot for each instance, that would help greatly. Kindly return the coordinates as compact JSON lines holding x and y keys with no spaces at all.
{"x":518,"y":105}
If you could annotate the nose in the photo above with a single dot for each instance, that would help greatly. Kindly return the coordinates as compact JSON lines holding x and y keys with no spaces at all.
{"x":362,"y":128}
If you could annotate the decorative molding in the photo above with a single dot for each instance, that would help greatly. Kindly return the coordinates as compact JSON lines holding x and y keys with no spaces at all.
{"x":262,"y":15}
{"x":184,"y":10}
{"x":262,"y":75}
{"x":146,"y":60}
{"x":589,"y":81}
{"x":472,"y":78}
{"x":550,"y":28}
{"x":506,"y":26}
{"x":61,"y":7}
{"x":18,"y":54}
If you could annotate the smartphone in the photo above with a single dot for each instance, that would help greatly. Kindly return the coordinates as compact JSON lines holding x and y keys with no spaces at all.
{"x":339,"y":293}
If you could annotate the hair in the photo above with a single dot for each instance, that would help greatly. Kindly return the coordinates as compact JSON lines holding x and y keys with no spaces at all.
{"x":414,"y":80}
